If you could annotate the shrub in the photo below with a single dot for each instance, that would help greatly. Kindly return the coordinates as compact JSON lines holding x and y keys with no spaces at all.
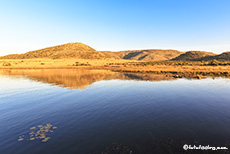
{"x":6,"y":64}
{"x":214,"y":62}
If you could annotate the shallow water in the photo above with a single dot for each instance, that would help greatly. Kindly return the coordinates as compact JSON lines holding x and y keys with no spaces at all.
{"x":102,"y":111}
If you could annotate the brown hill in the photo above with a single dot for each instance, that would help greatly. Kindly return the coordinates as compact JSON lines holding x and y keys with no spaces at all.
{"x":193,"y":55}
{"x":82,"y":51}
{"x":146,"y":55}
{"x":221,"y":57}
{"x":70,"y":50}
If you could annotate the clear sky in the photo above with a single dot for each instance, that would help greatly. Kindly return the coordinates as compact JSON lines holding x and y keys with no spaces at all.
{"x":115,"y":25}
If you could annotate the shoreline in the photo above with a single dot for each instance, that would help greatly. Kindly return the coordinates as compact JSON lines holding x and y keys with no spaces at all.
{"x":167,"y":71}
{"x":177,"y":69}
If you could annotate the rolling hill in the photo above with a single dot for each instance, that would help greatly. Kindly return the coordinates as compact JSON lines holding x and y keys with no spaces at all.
{"x":69,"y":50}
{"x":146,"y":55}
{"x":193,"y":55}
{"x":221,"y":57}
{"x":82,"y":51}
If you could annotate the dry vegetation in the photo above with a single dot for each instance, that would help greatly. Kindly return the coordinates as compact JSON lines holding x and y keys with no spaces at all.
{"x":221,"y":57}
{"x":179,"y":69}
{"x":146,"y":55}
{"x":171,"y":68}
{"x":70,"y":50}
{"x":56,"y":63}
{"x":193,"y":55}
{"x":82,"y":51}
{"x":78,"y":55}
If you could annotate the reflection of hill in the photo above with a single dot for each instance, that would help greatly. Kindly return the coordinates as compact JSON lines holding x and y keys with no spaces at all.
{"x":80,"y":79}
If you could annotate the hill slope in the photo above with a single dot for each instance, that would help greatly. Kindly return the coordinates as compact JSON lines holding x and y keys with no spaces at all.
{"x":82,"y":51}
{"x":193,"y":55}
{"x":70,"y":50}
{"x":221,"y":57}
{"x":146,"y":55}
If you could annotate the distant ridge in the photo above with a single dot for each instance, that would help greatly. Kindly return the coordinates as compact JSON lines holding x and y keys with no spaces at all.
{"x":69,"y":50}
{"x":146,"y":55}
{"x":193,"y":55}
{"x":82,"y":51}
{"x":221,"y":57}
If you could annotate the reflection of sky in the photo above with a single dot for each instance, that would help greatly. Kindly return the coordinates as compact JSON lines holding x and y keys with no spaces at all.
{"x":113,"y":108}
{"x":22,"y":88}
{"x":12,"y":86}
{"x":208,"y":82}
{"x":20,"y":82}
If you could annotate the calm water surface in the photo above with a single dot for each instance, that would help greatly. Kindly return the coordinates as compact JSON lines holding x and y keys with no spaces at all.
{"x":103,"y":112}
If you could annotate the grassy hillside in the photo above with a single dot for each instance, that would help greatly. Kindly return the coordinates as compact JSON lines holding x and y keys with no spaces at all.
{"x":82,"y":51}
{"x":70,"y":50}
{"x":146,"y":55}
{"x":221,"y":57}
{"x":193,"y":55}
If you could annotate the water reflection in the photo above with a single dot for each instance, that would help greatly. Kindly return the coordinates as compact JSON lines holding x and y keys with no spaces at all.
{"x":80,"y":79}
{"x":113,"y":116}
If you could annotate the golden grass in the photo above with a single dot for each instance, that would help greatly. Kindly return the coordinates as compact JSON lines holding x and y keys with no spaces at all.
{"x":184,"y":70}
{"x":120,"y":65}
{"x":55,"y":63}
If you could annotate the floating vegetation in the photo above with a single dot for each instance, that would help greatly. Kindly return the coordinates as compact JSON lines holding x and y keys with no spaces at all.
{"x":39,"y":132}
{"x":21,"y":138}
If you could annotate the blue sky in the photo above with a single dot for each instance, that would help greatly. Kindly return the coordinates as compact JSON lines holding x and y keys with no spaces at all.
{"x":115,"y":24}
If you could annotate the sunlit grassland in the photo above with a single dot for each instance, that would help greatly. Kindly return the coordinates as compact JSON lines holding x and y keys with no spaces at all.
{"x":181,"y":68}
{"x":56,"y":63}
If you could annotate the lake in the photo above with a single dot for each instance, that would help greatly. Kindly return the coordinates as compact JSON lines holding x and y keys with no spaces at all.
{"x":94,"y":112}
